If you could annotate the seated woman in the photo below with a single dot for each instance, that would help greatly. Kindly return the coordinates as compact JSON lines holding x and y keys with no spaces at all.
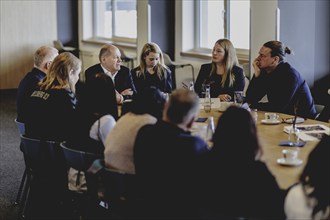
{"x":238,"y":184}
{"x":223,"y":75}
{"x":152,"y":70}
{"x":309,"y":199}
{"x":52,"y":106}
{"x":51,"y":116}
{"x":146,"y":109}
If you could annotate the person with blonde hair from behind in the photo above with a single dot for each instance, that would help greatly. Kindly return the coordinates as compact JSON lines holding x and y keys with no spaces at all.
{"x":52,"y":105}
{"x":152,"y":71}
{"x":52,"y":117}
{"x":309,"y":199}
{"x":223,"y":74}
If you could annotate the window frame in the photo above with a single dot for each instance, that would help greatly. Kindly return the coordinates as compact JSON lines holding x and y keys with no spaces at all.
{"x":243,"y":54}
{"x":113,"y":38}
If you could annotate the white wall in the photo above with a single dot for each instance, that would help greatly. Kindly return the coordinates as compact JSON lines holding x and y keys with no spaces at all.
{"x":25,"y":26}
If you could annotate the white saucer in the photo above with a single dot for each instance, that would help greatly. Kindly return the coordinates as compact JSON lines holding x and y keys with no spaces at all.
{"x":270,"y":122}
{"x":284,"y":162}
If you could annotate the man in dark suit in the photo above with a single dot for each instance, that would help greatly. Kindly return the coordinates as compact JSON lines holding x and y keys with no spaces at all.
{"x":110,"y":65}
{"x":43,"y":58}
{"x":168,"y":159}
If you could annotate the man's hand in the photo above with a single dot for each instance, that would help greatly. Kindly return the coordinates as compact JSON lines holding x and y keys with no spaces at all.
{"x":128,"y":91}
{"x":119,"y":98}
{"x":256,"y":68}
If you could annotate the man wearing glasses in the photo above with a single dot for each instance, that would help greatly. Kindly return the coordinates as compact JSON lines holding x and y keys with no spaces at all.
{"x":287,"y":92}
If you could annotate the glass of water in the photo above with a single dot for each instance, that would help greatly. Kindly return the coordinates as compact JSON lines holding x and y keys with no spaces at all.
{"x":238,"y":97}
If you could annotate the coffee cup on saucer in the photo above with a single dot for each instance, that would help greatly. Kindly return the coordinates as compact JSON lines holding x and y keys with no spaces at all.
{"x":290,"y":155}
{"x":269,"y":116}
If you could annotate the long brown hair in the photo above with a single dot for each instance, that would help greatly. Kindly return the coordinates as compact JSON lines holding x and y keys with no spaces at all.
{"x":230,"y":60}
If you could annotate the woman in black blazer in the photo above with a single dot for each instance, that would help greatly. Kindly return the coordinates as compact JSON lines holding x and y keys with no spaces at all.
{"x":152,"y":71}
{"x":223,"y":75}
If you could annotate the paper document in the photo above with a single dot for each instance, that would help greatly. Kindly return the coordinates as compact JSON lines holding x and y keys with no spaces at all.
{"x":215,"y":103}
{"x":312,"y":132}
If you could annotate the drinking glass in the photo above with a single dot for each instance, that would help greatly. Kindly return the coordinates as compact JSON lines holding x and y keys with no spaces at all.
{"x":207,"y":100}
{"x":205,"y":86}
{"x":238,"y":97}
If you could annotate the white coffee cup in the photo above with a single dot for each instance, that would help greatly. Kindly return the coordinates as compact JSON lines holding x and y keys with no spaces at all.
{"x":224,"y":106}
{"x":290,"y":155}
{"x":271,"y":116}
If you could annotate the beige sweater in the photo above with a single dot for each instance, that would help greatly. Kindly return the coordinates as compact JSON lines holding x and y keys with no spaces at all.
{"x":120,"y":141}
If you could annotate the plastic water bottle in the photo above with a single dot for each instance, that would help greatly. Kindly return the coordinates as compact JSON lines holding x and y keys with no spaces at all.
{"x":210,"y":128}
{"x":207,"y":100}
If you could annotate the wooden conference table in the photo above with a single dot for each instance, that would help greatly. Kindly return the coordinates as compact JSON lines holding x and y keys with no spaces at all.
{"x":270,"y":136}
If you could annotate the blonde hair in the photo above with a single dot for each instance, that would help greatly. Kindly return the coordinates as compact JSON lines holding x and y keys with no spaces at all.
{"x":58,"y":73}
{"x":230,"y":60}
{"x":160,"y":67}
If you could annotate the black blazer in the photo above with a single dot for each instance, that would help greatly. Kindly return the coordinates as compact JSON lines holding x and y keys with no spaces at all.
{"x":214,"y":80}
{"x":123,"y":79}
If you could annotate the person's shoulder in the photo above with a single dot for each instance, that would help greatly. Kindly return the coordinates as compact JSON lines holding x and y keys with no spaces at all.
{"x":206,"y":65}
{"x":199,"y":145}
{"x":287,"y":66}
{"x":96,"y":67}
{"x":295,"y":193}
{"x":124,"y":69}
{"x":167,"y":69}
{"x":34,"y":74}
{"x":237,"y":68}
{"x":146,"y":129}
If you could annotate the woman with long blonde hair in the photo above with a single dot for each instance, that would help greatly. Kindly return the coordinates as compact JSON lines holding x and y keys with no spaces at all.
{"x":152,"y":71}
{"x":223,"y":74}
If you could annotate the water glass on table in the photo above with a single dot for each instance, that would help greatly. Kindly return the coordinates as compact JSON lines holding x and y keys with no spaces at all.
{"x":238,"y":97}
{"x":207,"y":100}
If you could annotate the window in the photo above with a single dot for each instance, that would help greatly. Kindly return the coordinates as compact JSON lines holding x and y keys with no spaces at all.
{"x":222,"y":19}
{"x":115,"y":19}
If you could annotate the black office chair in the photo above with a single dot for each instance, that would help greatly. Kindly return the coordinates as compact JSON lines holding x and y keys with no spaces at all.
{"x":127,"y":58}
{"x":80,"y":161}
{"x":168,"y":62}
{"x":21,"y":129}
{"x":113,"y":190}
{"x":61,"y":48}
{"x":44,"y":163}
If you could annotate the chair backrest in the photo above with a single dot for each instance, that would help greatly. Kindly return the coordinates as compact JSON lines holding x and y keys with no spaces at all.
{"x":20,"y":126}
{"x":42,"y":155}
{"x":167,"y":60}
{"x":246,"y":68}
{"x":79,"y":160}
{"x":58,"y":45}
{"x":118,"y":185}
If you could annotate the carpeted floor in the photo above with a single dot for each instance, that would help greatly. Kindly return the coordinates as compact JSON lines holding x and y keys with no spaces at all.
{"x":11,"y":158}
